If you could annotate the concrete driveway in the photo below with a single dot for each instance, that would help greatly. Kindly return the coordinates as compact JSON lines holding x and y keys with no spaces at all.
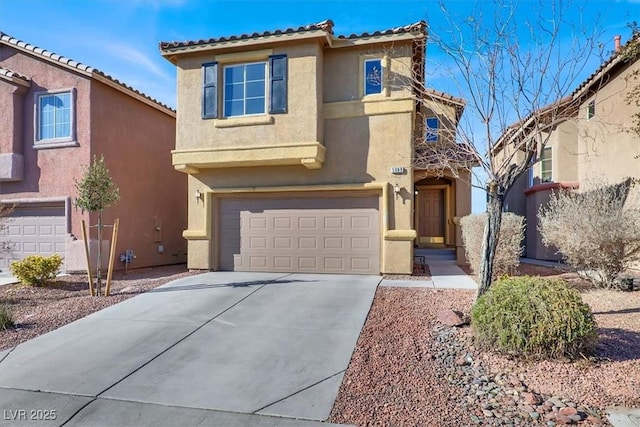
{"x":214,"y":349}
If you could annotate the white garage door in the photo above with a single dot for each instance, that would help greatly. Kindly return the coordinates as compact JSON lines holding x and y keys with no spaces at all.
{"x":325,"y":235}
{"x":36,"y":230}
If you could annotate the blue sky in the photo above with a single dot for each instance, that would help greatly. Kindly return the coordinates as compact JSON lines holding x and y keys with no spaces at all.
{"x":120,"y":37}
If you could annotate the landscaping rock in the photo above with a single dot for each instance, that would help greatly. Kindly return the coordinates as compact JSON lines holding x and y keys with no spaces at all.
{"x":451,"y":318}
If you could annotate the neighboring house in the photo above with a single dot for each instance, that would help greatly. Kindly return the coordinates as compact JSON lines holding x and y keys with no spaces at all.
{"x":592,"y":142}
{"x":298,"y":145}
{"x":55,"y":116}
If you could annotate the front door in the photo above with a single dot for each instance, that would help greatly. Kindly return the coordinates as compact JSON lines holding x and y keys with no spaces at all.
{"x":431,"y":216}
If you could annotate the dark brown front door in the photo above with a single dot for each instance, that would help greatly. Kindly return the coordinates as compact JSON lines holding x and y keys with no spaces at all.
{"x":431,"y":214}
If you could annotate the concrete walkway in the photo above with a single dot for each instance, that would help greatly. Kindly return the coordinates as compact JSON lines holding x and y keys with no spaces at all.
{"x":624,"y":417}
{"x":219,"y":348}
{"x":444,"y":275}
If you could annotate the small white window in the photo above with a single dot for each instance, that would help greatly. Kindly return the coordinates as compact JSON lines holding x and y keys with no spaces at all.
{"x":591,"y":110}
{"x":373,"y":77}
{"x":546,"y":165}
{"x":54,"y":117}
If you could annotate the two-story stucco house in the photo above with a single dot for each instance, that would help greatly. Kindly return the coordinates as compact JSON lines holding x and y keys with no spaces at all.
{"x":298,"y":145}
{"x":592,"y":143}
{"x":57,"y":114}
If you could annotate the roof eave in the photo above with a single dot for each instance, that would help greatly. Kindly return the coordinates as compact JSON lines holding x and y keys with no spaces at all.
{"x":367,"y":40}
{"x":172,"y":52}
{"x":16,"y":80}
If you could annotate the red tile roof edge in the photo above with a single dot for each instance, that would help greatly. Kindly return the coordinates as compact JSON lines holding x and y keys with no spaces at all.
{"x":326,"y":25}
{"x":54,"y":57}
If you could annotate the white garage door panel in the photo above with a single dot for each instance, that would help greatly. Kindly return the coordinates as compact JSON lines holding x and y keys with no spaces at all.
{"x":331,"y":235}
{"x":33,"y":231}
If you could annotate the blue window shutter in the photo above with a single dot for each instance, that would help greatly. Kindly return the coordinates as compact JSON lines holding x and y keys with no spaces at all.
{"x":210,"y":90}
{"x":278,"y":84}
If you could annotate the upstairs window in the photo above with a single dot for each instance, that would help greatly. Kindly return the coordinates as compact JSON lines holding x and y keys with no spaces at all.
{"x":247,"y":88}
{"x":373,"y":77}
{"x":54,"y":116}
{"x":431,"y":130}
{"x":546,"y":165}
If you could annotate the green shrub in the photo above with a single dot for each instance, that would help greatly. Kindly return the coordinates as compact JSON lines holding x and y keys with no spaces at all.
{"x":535,"y":317}
{"x":6,"y":319}
{"x":36,"y":270}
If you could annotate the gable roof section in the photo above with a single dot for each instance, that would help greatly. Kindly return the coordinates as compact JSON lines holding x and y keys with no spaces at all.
{"x":86,"y":70}
{"x":323,"y":29}
{"x":568,"y":106}
{"x":445,"y":98}
{"x":546,"y":116}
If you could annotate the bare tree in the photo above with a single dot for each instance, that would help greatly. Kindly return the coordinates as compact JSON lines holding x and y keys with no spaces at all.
{"x":515,"y":75}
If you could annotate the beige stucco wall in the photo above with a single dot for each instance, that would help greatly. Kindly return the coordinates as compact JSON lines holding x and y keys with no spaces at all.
{"x":587,"y":151}
{"x":300,"y":124}
{"x":606,"y":149}
{"x":364,"y":139}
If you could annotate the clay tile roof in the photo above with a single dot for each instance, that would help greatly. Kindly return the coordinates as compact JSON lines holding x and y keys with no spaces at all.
{"x":419,"y":27}
{"x":5,"y":72}
{"x":326,"y":25}
{"x":54,"y":57}
{"x":445,"y":96}
{"x":615,"y":59}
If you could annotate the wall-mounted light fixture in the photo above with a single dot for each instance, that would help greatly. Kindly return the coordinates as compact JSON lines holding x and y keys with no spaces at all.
{"x":415,"y":192}
{"x":396,"y":188}
{"x":198,"y":195}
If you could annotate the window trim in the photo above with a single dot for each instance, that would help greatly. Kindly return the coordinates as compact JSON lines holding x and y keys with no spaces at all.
{"x":436,"y":134}
{"x":66,"y":141}
{"x":266,"y":89}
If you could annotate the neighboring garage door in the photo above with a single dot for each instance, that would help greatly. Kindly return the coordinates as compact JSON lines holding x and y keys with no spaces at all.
{"x":322,"y":235}
{"x":33,"y":230}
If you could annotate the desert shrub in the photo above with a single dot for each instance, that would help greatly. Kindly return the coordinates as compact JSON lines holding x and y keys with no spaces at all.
{"x":36,"y":270}
{"x":6,"y":319}
{"x":594,"y":231}
{"x":507,"y":257}
{"x":534,"y":317}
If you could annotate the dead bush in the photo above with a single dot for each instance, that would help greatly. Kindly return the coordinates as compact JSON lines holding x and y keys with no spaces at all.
{"x":509,"y":248}
{"x":595,"y":232}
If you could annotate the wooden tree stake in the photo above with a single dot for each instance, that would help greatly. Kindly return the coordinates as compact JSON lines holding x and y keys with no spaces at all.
{"x":112,"y":256}
{"x":86,"y":251}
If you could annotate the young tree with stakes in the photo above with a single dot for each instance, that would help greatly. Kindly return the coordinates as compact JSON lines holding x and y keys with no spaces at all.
{"x":515,"y":75}
{"x":97,"y":191}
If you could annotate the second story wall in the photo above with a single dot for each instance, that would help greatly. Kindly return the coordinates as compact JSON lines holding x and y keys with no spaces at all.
{"x":607,"y":148}
{"x":300,"y":123}
{"x":50,"y":162}
{"x":343,"y":73}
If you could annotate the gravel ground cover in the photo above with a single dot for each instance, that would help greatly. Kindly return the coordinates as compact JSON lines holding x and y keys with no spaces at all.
{"x":409,"y":370}
{"x":38,"y":310}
